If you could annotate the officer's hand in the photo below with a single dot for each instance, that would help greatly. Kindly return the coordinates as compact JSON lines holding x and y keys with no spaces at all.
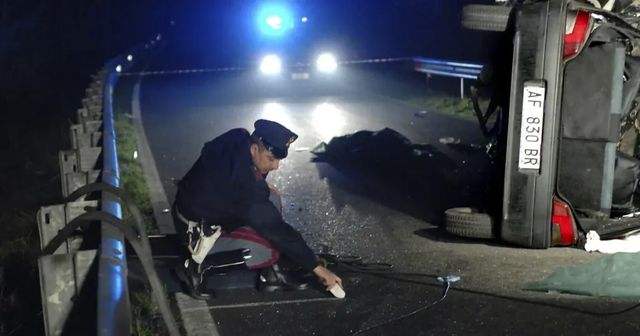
{"x":328,"y":278}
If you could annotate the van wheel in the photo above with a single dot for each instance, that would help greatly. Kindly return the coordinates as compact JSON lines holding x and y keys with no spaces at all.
{"x":468,"y":222}
{"x":485,"y":17}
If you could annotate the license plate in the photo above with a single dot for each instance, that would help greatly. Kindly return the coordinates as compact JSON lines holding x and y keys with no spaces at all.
{"x":300,"y":75}
{"x":531,"y":126}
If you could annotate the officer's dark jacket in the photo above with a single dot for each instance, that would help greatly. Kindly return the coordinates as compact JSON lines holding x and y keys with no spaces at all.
{"x":222,"y":189}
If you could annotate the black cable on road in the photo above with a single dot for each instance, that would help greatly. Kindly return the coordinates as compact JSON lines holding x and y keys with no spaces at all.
{"x":447,"y":285}
{"x":356,"y":265}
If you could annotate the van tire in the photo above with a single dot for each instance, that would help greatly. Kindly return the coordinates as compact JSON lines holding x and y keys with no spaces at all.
{"x":486,"y":17}
{"x":470,"y":223}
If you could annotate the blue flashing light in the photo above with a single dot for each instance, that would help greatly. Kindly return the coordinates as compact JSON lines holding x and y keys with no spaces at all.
{"x":274,"y":20}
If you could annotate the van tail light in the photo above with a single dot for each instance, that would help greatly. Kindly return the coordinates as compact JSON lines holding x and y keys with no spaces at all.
{"x":563,"y":226}
{"x":576,"y":33}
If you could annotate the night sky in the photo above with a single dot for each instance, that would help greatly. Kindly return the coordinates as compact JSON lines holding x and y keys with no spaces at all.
{"x":49,"y":48}
{"x":44,"y":39}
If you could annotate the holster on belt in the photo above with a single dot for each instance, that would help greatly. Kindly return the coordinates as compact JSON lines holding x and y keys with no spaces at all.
{"x":201,"y":236}
{"x":203,"y":245}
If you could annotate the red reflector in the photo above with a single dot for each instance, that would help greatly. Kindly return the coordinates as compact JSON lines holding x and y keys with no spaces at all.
{"x":573,"y":41}
{"x":563,"y":220}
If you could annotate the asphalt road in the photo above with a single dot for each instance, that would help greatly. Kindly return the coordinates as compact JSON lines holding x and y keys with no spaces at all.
{"x":382,"y":218}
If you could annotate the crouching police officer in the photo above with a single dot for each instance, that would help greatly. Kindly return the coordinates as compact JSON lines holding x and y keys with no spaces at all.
{"x":224,"y":203}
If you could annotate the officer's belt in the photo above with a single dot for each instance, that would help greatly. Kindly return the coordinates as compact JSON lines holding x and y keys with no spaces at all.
{"x":190,"y":224}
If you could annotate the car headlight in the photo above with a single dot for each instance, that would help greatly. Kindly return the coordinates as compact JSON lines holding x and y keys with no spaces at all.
{"x":326,"y":63}
{"x":271,"y":65}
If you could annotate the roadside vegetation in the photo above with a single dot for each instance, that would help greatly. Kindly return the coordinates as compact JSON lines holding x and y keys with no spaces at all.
{"x":445,"y":104}
{"x":145,"y":316}
{"x":399,"y":81}
{"x":132,"y":178}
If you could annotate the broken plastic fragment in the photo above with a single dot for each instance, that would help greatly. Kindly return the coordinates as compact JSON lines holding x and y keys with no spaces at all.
{"x":421,"y":114}
{"x":449,"y":278}
{"x":449,"y":140}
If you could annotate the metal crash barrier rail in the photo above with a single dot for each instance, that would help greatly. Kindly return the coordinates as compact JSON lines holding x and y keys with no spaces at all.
{"x":432,"y":66}
{"x":113,"y":316}
{"x":68,"y":268}
{"x":83,"y":283}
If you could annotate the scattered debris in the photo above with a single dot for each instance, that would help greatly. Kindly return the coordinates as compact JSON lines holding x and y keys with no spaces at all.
{"x":629,"y":244}
{"x":449,"y":140}
{"x":458,"y":145}
{"x":421,"y":114}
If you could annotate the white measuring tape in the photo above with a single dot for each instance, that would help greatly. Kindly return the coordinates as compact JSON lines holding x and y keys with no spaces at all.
{"x":229,"y":69}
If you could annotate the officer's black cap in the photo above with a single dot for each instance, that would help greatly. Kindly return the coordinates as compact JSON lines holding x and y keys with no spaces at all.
{"x":274,"y":136}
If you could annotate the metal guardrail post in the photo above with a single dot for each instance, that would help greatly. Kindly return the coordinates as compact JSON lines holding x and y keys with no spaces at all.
{"x":65,"y":267}
{"x":66,"y":271}
{"x":461,"y":70}
{"x":113,"y":294}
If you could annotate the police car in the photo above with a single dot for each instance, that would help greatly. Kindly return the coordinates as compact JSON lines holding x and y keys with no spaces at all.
{"x":290,"y":47}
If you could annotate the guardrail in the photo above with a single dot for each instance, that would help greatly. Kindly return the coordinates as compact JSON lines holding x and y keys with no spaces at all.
{"x":84,"y":286}
{"x":113,"y":316}
{"x":461,"y":70}
{"x":67,"y":267}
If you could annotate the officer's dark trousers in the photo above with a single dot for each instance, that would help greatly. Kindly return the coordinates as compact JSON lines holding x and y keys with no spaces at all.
{"x":263,"y":254}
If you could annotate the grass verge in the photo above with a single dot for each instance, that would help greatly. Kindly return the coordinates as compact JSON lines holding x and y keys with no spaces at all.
{"x":447,"y":104}
{"x":132,"y":178}
{"x":145,"y":316}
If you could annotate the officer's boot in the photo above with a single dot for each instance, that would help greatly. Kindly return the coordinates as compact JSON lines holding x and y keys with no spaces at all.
{"x":218,"y":264}
{"x":193,"y":277}
{"x":273,"y":278}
